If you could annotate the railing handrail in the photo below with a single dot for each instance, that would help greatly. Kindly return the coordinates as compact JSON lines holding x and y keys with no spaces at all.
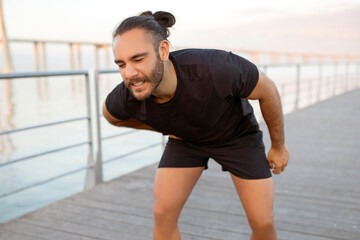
{"x":105,"y":71}
{"x":42,"y":125}
{"x":41,"y":74}
{"x":58,"y":41}
{"x":306,"y":64}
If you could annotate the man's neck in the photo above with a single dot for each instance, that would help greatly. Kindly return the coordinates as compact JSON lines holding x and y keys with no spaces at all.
{"x":167,"y":87}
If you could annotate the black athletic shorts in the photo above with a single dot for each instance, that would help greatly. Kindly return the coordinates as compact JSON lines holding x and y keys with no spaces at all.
{"x":244,"y":157}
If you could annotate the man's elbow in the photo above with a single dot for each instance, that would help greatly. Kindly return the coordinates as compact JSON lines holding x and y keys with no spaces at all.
{"x":112,"y":120}
{"x":264,"y":89}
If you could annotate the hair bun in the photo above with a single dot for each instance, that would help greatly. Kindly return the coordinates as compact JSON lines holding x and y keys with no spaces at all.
{"x":164,"y":19}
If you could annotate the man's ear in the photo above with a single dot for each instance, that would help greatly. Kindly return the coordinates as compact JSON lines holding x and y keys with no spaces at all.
{"x":164,"y":50}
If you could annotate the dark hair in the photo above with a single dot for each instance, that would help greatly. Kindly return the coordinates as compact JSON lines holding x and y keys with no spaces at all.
{"x":157,"y":23}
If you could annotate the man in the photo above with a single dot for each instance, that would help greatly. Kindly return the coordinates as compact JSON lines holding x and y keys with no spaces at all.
{"x":199,"y":98}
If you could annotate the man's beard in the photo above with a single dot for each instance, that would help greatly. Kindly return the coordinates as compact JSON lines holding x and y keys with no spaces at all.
{"x":154,"y":79}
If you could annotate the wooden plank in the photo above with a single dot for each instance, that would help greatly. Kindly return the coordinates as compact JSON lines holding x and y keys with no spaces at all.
{"x":95,"y":226}
{"x":6,"y":235}
{"x":25,"y":228}
{"x":75,"y":230}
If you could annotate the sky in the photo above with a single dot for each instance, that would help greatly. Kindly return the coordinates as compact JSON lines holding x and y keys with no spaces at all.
{"x":310,"y":26}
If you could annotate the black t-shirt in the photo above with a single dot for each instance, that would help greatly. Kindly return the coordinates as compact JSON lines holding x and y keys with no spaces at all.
{"x":209,"y":105}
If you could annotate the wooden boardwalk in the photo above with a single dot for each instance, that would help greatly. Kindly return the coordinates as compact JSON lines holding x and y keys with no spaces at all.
{"x":316,"y":198}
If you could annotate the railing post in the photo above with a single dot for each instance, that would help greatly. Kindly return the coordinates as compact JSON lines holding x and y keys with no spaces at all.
{"x":310,"y":89}
{"x":71,"y":56}
{"x":107,"y":56}
{"x":96,"y":57}
{"x":90,"y":174}
{"x":43,"y":56}
{"x":98,"y":163}
{"x":358,"y":74}
{"x":78,"y":55}
{"x":36,"y":53}
{"x":265,"y":69}
{"x":297,"y":96}
{"x":94,"y":174}
{"x":319,"y":83}
{"x":347,"y":76}
{"x":282,"y":95}
{"x":8,"y":67}
{"x":335,"y":78}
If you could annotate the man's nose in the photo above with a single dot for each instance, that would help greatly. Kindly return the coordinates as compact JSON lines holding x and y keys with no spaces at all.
{"x":130,"y":71}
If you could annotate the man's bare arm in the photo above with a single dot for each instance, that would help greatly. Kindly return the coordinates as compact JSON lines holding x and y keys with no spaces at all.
{"x":270,"y":104}
{"x":131,"y":123}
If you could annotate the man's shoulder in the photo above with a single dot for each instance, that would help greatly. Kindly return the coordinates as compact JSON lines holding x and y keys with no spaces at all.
{"x":195,"y":55}
{"x":196,"y":62}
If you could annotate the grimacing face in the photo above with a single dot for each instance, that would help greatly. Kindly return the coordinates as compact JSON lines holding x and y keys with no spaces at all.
{"x":140,"y":65}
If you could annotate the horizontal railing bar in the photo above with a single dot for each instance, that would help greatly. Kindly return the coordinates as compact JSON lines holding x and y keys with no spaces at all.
{"x":132,"y":152}
{"x":108,"y":71}
{"x":75,"y":171}
{"x":305,"y":64}
{"x":43,"y":125}
{"x":41,"y":74}
{"x":118,"y":135}
{"x":59,"y":42}
{"x":248,"y":51}
{"x":45,"y":181}
{"x":43,"y":153}
{"x":103,"y":71}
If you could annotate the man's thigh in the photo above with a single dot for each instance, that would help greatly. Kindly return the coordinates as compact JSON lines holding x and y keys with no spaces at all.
{"x":257,"y":197}
{"x":172,"y":186}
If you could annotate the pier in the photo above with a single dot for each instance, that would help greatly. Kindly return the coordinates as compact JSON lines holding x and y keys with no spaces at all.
{"x":316,"y":198}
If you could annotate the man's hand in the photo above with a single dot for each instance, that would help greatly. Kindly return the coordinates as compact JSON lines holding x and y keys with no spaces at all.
{"x":278,"y":157}
{"x":173,"y":136}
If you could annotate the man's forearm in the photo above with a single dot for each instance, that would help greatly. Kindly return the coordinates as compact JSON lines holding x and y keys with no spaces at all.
{"x":272,"y":112}
{"x":133,"y":123}
{"x":270,"y":105}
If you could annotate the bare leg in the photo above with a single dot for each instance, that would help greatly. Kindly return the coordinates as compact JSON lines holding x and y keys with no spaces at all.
{"x":172,"y":188}
{"x":257,"y":197}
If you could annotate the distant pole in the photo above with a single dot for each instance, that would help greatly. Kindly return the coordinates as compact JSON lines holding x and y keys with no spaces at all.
{"x":335,"y":78}
{"x":71,"y":56}
{"x":43,"y":56}
{"x":319,"y":83}
{"x":358,"y":74}
{"x":107,"y":62}
{"x":36,"y":53}
{"x":7,"y":58}
{"x":297,"y":96}
{"x":78,"y":54}
{"x":96,"y":57}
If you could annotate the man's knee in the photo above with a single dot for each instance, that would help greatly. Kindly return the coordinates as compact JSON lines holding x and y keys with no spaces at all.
{"x":262,"y":224}
{"x":166,"y":211}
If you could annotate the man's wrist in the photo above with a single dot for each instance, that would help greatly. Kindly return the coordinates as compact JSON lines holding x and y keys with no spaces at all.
{"x":278,"y":145}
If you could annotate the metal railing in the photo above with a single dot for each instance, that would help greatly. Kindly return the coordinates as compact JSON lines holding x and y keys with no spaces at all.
{"x":88,"y":117}
{"x":317,"y":86}
{"x":94,"y":169}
